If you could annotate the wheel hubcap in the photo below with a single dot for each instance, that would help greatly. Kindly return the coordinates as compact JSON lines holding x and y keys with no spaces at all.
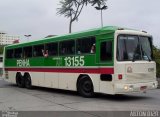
{"x":87,"y":87}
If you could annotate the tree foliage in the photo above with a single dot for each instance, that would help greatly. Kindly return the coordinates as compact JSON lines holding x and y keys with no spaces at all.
{"x":156,"y":54}
{"x":72,"y":8}
{"x":1,"y":49}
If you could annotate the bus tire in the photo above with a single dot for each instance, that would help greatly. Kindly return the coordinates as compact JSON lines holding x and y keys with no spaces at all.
{"x":19,"y":80}
{"x":85,"y":87}
{"x":28,"y":81}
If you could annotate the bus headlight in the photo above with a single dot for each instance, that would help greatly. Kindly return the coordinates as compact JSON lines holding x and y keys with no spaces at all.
{"x":128,"y":87}
{"x":125,"y":87}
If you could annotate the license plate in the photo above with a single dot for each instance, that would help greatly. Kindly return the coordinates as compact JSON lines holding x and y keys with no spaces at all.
{"x":142,"y":88}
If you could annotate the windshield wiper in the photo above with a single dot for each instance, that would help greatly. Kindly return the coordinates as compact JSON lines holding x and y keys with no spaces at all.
{"x":146,"y":54}
{"x":135,"y":52}
{"x":133,"y":60}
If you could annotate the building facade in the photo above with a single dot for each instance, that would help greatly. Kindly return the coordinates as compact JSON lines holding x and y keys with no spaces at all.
{"x":6,"y":39}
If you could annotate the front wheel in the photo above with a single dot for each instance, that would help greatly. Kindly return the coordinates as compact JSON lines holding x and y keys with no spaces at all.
{"x":85,"y":87}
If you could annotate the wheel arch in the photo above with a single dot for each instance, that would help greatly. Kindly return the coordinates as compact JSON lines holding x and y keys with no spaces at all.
{"x":26,"y":73}
{"x":19,"y":80}
{"x":18,"y":74}
{"x":81,"y":76}
{"x":28,"y":80}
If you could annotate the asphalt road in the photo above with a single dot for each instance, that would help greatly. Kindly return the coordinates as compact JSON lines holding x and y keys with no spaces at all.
{"x":45,"y":99}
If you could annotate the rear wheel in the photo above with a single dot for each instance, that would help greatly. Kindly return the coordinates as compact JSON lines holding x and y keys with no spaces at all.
{"x":85,"y":87}
{"x":19,"y":80}
{"x":28,"y":82}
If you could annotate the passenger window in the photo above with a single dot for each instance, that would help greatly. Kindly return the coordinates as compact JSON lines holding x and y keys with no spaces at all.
{"x":67,"y":47}
{"x":10,"y":54}
{"x":52,"y":49}
{"x":18,"y":53}
{"x":27,"y":52}
{"x":37,"y":52}
{"x":85,"y":45}
{"x":106,"y":51}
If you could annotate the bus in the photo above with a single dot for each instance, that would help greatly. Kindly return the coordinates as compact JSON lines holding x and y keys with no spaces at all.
{"x":109,"y":60}
{"x":1,"y":66}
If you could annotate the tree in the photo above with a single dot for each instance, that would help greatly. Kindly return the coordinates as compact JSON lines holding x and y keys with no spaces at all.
{"x":72,"y":8}
{"x":1,"y":49}
{"x":156,"y":55}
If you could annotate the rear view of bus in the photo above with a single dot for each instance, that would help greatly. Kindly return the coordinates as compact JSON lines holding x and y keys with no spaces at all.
{"x":135,"y":70}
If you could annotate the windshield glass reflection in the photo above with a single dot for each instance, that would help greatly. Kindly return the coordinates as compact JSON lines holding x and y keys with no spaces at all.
{"x":132,"y":48}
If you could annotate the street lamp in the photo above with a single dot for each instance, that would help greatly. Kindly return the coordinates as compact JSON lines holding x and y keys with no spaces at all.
{"x":101,"y":8}
{"x":27,"y":36}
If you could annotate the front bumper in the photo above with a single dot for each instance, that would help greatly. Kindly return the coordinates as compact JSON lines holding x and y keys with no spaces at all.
{"x":135,"y":87}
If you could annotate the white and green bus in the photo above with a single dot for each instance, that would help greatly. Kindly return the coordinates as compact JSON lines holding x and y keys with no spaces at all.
{"x":108,"y":60}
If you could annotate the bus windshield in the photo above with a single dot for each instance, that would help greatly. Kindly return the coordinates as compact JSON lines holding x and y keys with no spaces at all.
{"x":132,"y":48}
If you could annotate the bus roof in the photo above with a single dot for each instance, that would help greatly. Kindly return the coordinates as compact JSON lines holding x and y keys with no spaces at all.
{"x":91,"y":32}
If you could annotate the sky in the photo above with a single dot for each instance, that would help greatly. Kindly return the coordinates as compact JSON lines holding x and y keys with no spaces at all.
{"x":39,"y":19}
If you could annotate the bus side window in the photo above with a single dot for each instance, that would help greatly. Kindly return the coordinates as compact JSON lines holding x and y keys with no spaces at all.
{"x":67,"y":47}
{"x":52,"y":49}
{"x":93,"y":48}
{"x":34,"y":53}
{"x":106,"y":51}
{"x":84,"y":45}
{"x":18,"y":53}
{"x":27,"y":52}
{"x":10,"y":53}
{"x":37,"y":52}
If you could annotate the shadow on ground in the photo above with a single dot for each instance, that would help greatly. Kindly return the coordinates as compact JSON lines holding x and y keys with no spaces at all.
{"x":119,"y":97}
{"x":122,"y":97}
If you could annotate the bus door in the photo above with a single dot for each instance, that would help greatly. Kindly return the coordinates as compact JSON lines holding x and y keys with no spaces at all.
{"x":105,"y":61}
